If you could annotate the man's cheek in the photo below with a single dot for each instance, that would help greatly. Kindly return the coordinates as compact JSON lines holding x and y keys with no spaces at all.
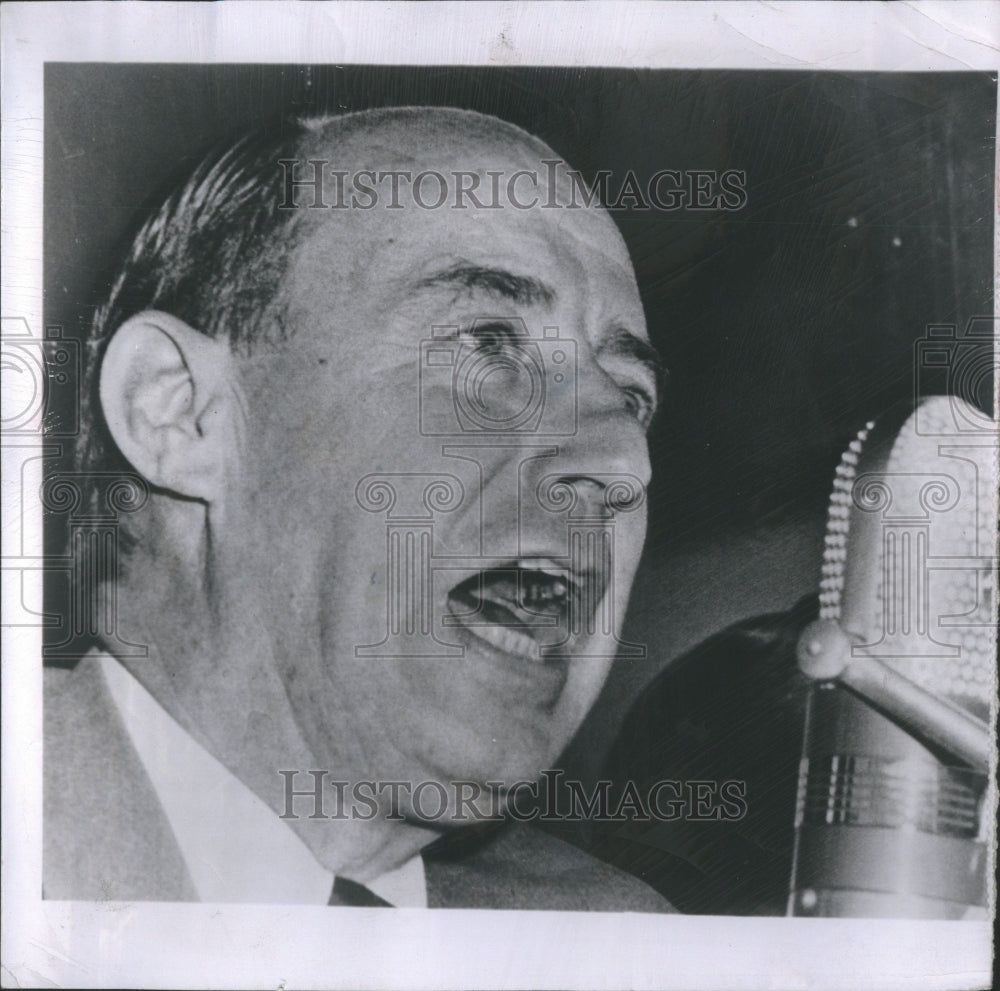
{"x":628,"y":552}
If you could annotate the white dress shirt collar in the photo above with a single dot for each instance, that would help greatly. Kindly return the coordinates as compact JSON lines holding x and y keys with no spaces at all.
{"x":235,"y":847}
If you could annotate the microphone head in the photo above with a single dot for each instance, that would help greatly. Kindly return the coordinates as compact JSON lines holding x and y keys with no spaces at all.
{"x":888,"y":824}
{"x":909,"y":566}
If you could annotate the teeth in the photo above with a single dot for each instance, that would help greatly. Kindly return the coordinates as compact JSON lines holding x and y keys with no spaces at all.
{"x":535,"y":593}
{"x":537,"y":596}
{"x":510,"y":642}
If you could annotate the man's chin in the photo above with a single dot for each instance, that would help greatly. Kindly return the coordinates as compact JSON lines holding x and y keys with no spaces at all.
{"x":477,"y":726}
{"x":508,"y":669}
{"x":508,"y":755}
{"x":446,"y":804}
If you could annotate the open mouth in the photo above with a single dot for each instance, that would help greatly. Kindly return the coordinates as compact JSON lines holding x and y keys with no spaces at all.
{"x":535,"y":610}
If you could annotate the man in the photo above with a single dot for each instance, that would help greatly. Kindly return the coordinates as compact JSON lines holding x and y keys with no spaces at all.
{"x":282,"y":361}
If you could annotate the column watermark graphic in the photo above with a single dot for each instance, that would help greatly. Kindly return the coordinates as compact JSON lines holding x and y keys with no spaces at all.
{"x":533,"y":570}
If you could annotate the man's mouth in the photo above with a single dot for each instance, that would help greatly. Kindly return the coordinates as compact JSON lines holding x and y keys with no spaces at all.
{"x":531,"y":609}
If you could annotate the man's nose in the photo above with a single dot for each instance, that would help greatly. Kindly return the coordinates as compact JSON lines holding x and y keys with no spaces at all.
{"x":603,"y":468}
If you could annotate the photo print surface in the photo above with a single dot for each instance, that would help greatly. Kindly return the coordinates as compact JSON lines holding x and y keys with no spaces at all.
{"x":481,"y":353}
{"x":499,"y":495}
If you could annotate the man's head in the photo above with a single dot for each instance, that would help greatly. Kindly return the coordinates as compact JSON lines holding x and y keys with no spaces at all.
{"x":385,"y":445}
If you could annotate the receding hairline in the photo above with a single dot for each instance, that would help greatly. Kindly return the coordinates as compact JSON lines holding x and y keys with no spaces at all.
{"x":413,"y":130}
{"x":436,"y":138}
{"x":433,"y":137}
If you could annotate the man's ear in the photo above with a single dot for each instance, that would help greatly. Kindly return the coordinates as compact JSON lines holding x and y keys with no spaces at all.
{"x":166,"y":392}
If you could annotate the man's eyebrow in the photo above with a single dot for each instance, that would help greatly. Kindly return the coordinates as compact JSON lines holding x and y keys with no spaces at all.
{"x":496,"y":281}
{"x":622,"y":343}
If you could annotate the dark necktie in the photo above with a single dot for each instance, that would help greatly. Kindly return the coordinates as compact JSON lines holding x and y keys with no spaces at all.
{"x":350,"y":893}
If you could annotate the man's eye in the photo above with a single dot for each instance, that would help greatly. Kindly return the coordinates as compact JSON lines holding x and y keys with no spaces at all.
{"x":493,"y":335}
{"x":640,"y":403}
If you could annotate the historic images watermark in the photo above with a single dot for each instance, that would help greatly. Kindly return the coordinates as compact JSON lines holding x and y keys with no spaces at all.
{"x":554,"y":188}
{"x":318,"y":794}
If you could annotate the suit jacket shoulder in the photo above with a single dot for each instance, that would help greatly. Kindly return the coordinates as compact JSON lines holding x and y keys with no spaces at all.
{"x":104,"y":834}
{"x":106,"y":837}
{"x":519,"y":867}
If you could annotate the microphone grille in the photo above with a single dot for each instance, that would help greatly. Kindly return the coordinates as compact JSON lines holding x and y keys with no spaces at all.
{"x":890,"y":821}
{"x":838,"y":527}
{"x":910,"y":560}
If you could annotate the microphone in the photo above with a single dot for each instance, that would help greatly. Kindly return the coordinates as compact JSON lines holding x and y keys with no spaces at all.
{"x":895,"y":808}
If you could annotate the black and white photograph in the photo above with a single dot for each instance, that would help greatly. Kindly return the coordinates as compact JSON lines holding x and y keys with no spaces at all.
{"x":481,"y":471}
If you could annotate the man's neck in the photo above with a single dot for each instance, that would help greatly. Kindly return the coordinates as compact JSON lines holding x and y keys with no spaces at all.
{"x":245,"y":722}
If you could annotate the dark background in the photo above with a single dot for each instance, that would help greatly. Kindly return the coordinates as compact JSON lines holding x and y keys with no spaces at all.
{"x":785,"y":325}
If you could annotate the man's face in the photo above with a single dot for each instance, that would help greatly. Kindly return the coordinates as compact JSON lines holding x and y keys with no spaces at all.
{"x":423,"y":527}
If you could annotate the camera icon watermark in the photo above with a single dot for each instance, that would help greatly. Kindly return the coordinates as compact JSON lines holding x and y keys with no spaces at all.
{"x":495,"y":378}
{"x":964,"y":365}
{"x":41,"y":381}
{"x":524,"y":561}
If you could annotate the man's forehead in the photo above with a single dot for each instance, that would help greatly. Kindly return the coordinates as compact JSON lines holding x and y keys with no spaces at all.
{"x":473,"y":191}
{"x":460,"y":158}
{"x":420,"y":135}
{"x":522,"y":255}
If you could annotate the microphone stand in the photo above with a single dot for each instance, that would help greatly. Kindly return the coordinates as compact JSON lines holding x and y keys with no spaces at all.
{"x":824,"y":654}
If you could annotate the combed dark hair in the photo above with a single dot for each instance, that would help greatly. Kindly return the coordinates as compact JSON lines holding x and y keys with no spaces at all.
{"x":214,"y":255}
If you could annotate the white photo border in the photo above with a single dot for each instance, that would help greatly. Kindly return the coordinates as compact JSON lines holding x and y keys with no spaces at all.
{"x":49,"y":943}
